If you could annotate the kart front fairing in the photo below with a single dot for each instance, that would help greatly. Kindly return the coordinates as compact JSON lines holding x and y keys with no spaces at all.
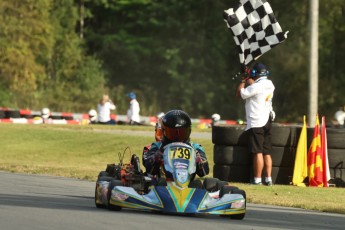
{"x":172,"y":199}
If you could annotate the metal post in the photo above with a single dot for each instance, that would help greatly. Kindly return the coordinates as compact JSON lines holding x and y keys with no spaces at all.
{"x":81,"y":22}
{"x":313,"y":62}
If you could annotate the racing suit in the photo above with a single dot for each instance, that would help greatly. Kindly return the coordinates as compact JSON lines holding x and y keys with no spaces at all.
{"x":152,"y":159}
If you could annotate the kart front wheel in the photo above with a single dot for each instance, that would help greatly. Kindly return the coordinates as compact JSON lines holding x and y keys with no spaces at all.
{"x":112,"y":184}
{"x":234,"y":190}
{"x":101,"y":178}
{"x":98,"y":205}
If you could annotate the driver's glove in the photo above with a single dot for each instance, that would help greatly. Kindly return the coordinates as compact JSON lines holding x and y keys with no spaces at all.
{"x":158,"y":157}
{"x":199,"y":159}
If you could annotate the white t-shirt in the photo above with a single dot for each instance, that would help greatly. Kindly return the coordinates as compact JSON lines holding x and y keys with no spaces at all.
{"x":340,"y":117}
{"x":104,"y":111}
{"x":133,"y":111}
{"x":258,"y":98}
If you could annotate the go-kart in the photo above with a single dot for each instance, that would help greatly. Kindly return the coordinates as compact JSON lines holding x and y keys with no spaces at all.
{"x":126,"y":186}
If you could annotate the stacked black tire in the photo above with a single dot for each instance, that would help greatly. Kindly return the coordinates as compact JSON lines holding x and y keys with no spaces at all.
{"x":233,"y":162}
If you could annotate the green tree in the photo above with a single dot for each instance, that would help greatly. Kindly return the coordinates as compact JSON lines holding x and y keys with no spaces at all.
{"x":25,"y":44}
{"x":75,"y":80}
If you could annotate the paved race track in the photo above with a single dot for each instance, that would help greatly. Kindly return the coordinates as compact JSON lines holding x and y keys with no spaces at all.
{"x":45,"y":202}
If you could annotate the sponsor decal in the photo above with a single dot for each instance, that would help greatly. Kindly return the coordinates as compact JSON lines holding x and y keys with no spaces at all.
{"x":119,"y":196}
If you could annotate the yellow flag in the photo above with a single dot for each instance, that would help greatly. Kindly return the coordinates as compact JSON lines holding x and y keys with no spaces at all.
{"x":300,"y":171}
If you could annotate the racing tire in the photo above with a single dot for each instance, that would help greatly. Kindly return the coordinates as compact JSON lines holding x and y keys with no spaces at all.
{"x":335,"y":138}
{"x":211,"y":184}
{"x":236,"y":135}
{"x":283,"y":156}
{"x":112,"y":184}
{"x":234,"y":190}
{"x":283,"y":136}
{"x":12,"y":114}
{"x":229,"y":135}
{"x":227,"y":189}
{"x":242,"y":215}
{"x":232,"y":173}
{"x":105,"y":178}
{"x":98,"y":205}
{"x":226,"y":155}
{"x":336,"y":157}
{"x":103,"y":174}
{"x":2,"y":114}
{"x":101,"y":177}
{"x":221,"y":183}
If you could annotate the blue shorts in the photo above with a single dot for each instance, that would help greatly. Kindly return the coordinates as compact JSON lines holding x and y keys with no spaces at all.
{"x":260,"y":139}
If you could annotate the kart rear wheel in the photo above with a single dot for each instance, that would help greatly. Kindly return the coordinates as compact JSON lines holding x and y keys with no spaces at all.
{"x":103,"y":174}
{"x":221,"y":183}
{"x":112,"y":184}
{"x":213,"y":184}
{"x":105,"y":178}
{"x":227,"y":189}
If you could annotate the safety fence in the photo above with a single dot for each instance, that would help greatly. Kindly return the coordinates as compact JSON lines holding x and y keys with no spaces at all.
{"x":24,"y":116}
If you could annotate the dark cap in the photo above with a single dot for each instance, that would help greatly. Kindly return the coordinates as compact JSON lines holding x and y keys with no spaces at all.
{"x":259,"y":70}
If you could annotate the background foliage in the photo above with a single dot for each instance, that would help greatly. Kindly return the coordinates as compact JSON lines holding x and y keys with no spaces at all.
{"x":174,"y":54}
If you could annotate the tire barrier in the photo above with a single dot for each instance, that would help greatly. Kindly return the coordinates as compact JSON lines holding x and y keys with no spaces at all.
{"x":22,"y":116}
{"x":2,"y":114}
{"x":233,"y":162}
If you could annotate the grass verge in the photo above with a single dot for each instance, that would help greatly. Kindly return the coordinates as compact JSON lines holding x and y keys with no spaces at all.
{"x":82,"y":151}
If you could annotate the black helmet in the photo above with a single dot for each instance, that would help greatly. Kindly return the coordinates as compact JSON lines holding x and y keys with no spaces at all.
{"x":177,"y":126}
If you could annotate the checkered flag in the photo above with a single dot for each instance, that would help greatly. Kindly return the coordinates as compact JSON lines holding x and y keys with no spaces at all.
{"x":254,"y":27}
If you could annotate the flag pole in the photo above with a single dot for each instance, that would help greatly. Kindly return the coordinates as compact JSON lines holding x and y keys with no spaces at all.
{"x":313,"y":60}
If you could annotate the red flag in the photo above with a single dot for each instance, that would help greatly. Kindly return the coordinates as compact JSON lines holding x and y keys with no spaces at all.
{"x":325,"y":164}
{"x":315,"y":171}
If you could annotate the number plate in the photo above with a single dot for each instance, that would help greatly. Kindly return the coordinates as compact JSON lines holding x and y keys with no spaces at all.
{"x":179,"y":153}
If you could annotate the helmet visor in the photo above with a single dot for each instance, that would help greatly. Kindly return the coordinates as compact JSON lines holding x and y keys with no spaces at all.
{"x":177,"y":134}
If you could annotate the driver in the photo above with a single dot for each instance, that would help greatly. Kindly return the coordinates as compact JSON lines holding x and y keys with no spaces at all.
{"x":176,"y":127}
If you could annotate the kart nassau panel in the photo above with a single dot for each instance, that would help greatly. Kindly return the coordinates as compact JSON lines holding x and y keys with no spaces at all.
{"x":172,"y":199}
{"x":179,"y":160}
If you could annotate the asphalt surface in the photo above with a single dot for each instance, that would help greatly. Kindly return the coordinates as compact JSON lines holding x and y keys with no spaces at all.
{"x":47,"y":202}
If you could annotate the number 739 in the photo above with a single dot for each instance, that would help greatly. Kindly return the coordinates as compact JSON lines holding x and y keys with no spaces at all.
{"x":180,"y":152}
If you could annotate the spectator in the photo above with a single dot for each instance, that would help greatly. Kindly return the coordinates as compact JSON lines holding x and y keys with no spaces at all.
{"x":92,"y":116}
{"x":46,"y":116}
{"x":133,"y":110}
{"x":215,"y":119}
{"x":45,"y":113}
{"x":258,"y":95}
{"x":104,"y":107}
{"x":340,"y":116}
